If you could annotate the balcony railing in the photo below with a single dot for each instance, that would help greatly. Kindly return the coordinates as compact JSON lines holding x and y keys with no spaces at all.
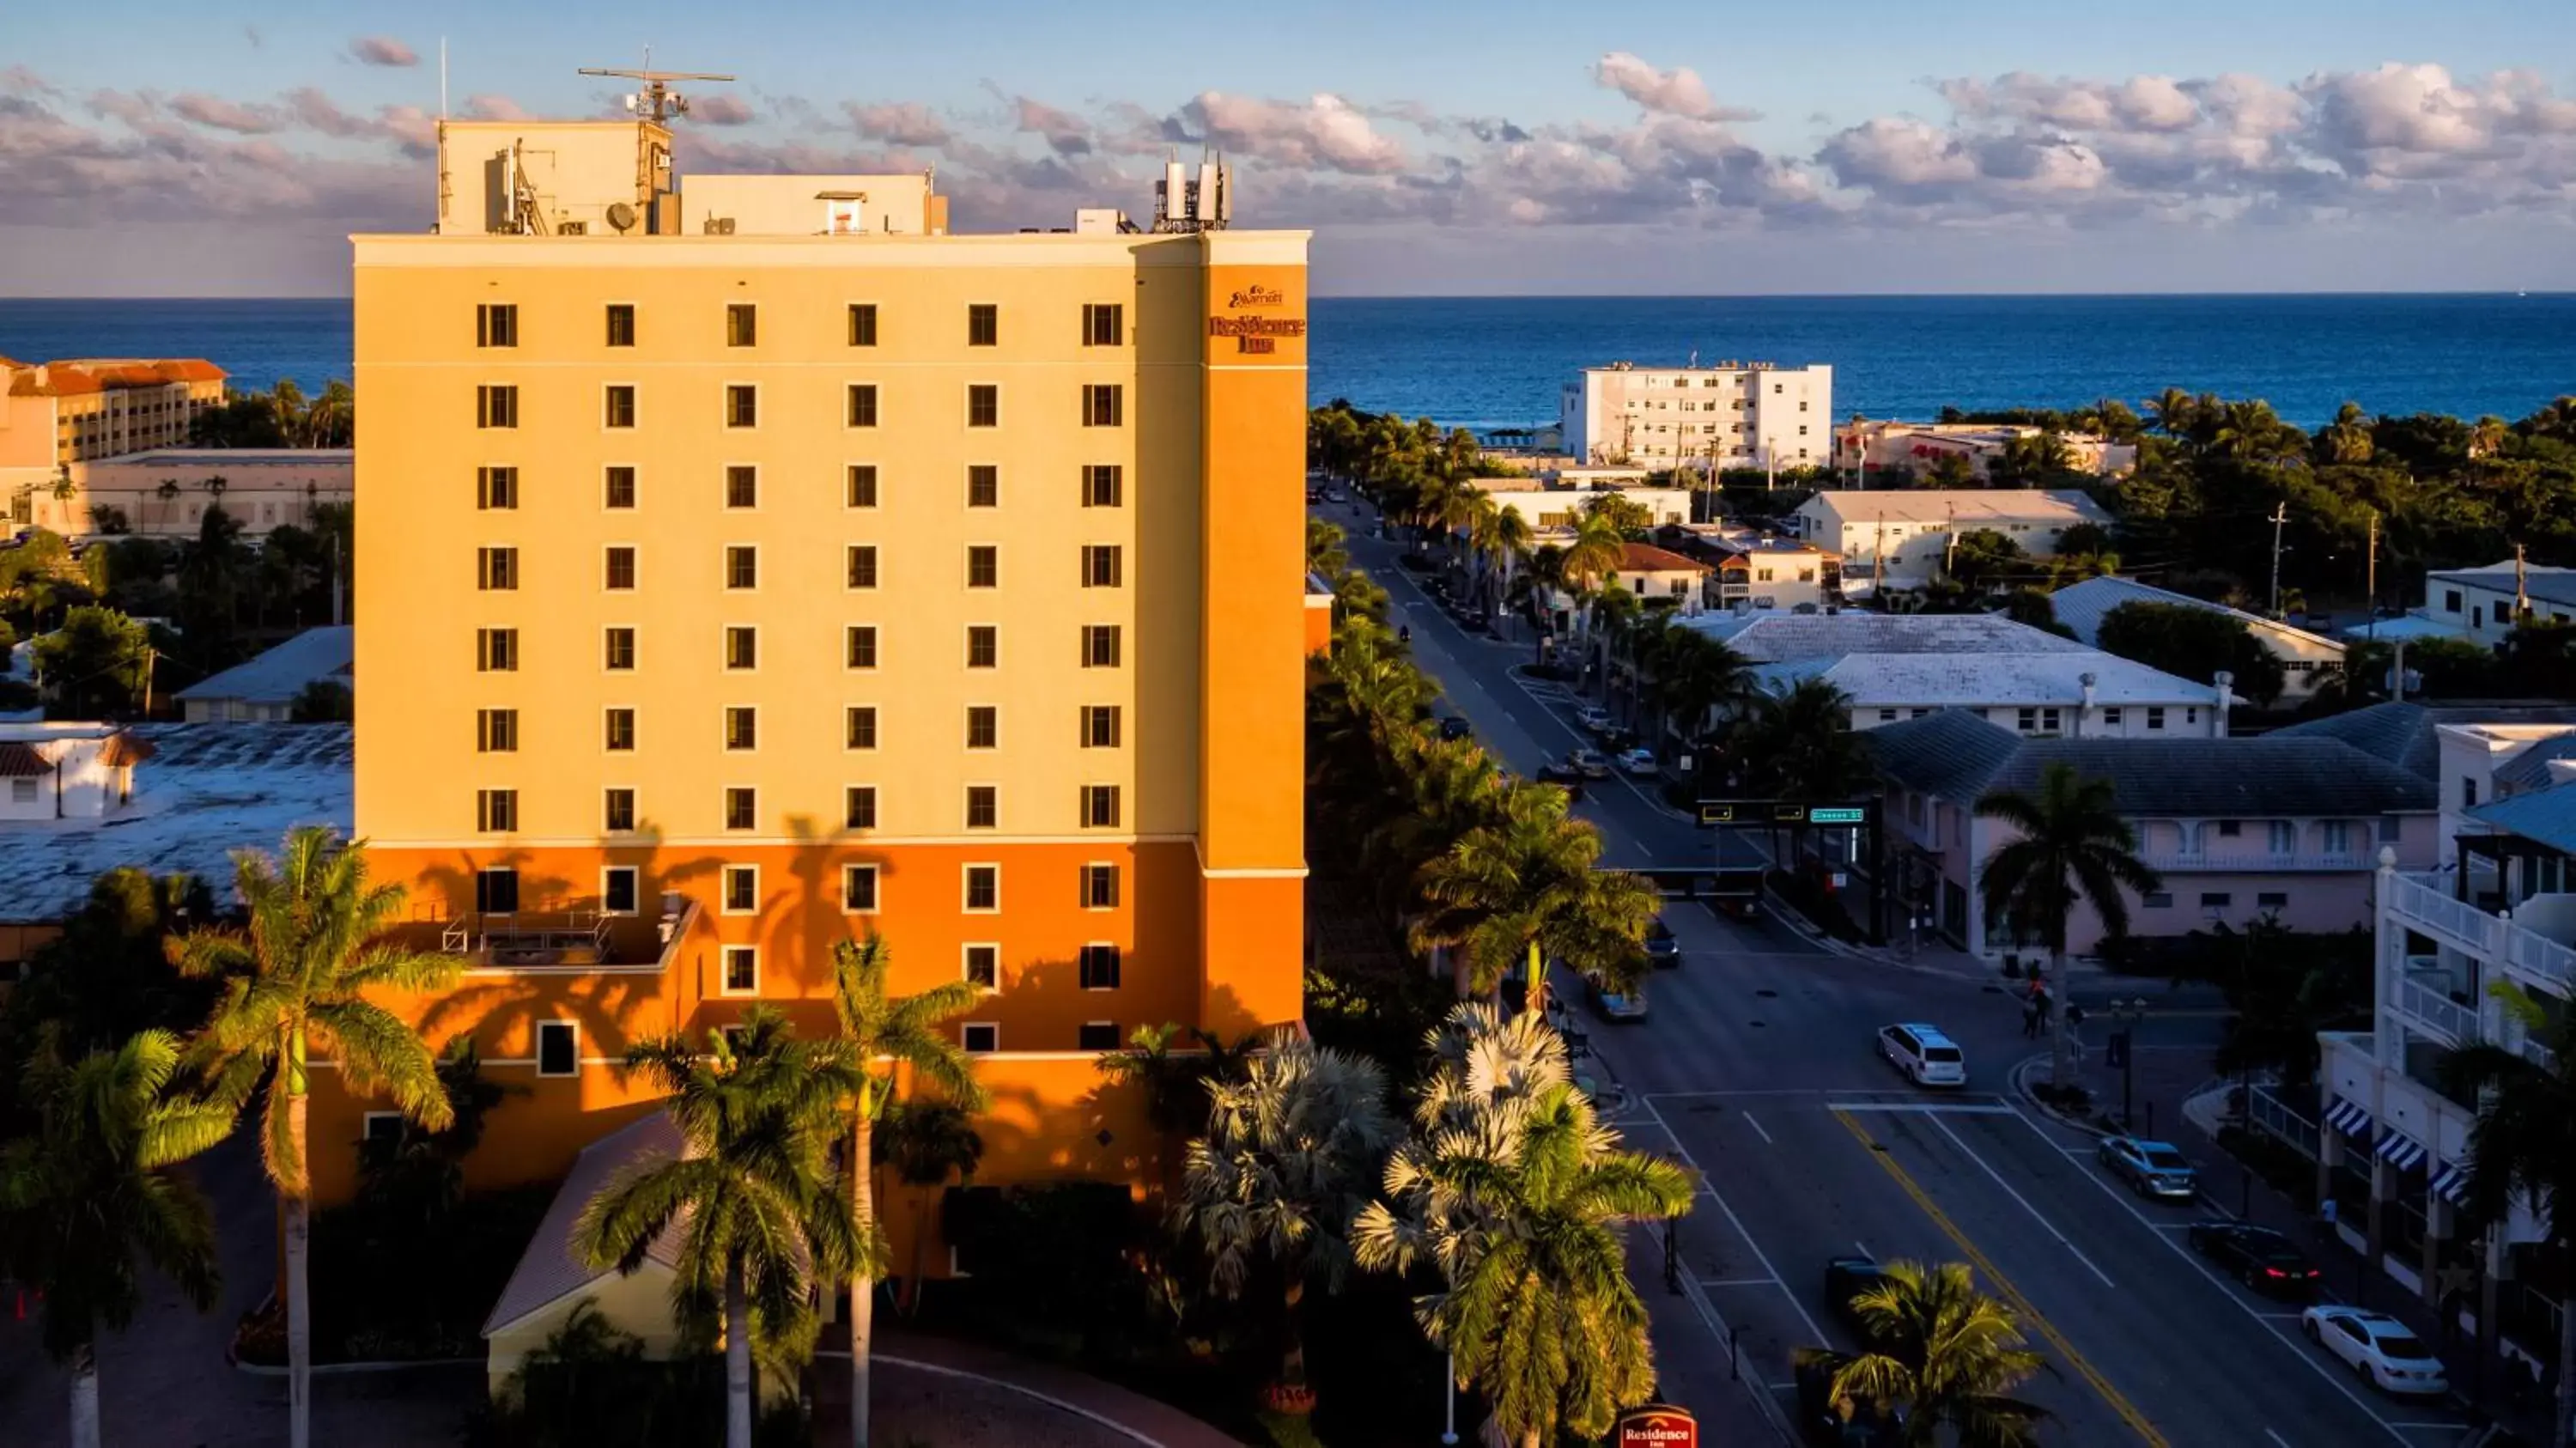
{"x":530,"y":937}
{"x":2255,"y":862}
{"x":2431,"y":1009}
{"x":2424,"y":905}
{"x":2539,"y":1055}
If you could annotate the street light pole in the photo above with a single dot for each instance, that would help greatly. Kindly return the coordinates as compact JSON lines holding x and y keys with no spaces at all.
{"x":2127,"y":1014}
{"x":1449,"y":1380}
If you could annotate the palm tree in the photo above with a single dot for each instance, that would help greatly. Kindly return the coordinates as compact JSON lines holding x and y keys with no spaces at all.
{"x":2524,"y":1147}
{"x":761,"y":1217}
{"x":1946,"y":1354}
{"x":1325,"y":555}
{"x":2346,"y":439}
{"x":2072,"y":847}
{"x":1501,"y":537}
{"x":900,"y":1033}
{"x":1697,"y":675}
{"x":1520,"y":888}
{"x":1517,"y":1195}
{"x":89,"y":1198}
{"x":2487,"y":437}
{"x":926,"y":1142}
{"x":1282,"y":1170}
{"x":293,"y":981}
{"x":2175,"y":412}
{"x":1443,"y":789}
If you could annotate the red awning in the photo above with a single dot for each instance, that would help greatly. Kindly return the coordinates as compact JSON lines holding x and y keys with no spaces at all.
{"x":21,"y":761}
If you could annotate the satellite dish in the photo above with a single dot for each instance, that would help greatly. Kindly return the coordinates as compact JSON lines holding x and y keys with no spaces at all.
{"x":621,"y":216}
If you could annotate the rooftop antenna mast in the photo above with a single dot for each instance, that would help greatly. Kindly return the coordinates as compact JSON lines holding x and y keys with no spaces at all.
{"x":657,"y":101}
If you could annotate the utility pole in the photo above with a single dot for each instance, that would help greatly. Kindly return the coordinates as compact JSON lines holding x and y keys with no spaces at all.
{"x":2370,"y":623}
{"x":2280,"y":515}
{"x":2521,"y":594}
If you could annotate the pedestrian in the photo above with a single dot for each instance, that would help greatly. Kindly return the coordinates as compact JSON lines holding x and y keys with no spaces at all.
{"x":2029,"y":1018}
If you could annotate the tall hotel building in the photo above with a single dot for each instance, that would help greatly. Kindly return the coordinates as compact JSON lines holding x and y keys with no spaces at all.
{"x":749,"y":564}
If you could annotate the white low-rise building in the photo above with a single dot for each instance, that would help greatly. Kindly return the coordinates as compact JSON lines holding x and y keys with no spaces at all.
{"x":263,"y":690}
{"x":2485,"y":604}
{"x":1732,"y":415}
{"x":1553,"y":509}
{"x":1901,"y":536}
{"x":1775,"y":573}
{"x":1891,"y":446}
{"x":2308,"y":660}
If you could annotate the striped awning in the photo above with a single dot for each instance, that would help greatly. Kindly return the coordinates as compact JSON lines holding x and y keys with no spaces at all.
{"x":2400,"y":1150}
{"x":2451,"y":1183}
{"x":2349,"y":1118}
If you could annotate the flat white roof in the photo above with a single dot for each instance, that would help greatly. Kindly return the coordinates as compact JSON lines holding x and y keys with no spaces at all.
{"x":1970,"y":506}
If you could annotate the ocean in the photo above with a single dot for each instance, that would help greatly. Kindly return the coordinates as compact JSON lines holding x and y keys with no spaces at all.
{"x":1499,"y":361}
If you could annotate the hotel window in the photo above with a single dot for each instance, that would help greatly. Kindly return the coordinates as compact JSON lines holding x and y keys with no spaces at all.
{"x":496,"y":489}
{"x":496,"y":650}
{"x":1102,"y":485}
{"x":620,"y":648}
{"x":742,"y":487}
{"x":1099,"y":967}
{"x":741,"y":970}
{"x":2450,"y":600}
{"x":983,"y":566}
{"x":741,"y":894}
{"x":983,"y":405}
{"x":983,"y":325}
{"x":859,"y":807}
{"x":1100,"y":887}
{"x":1099,"y":726}
{"x":983,"y":806}
{"x":618,"y":813}
{"x":859,"y":727}
{"x":863,"y":404}
{"x":863,"y":324}
{"x":2283,"y":837}
{"x":983,"y":486}
{"x":858,"y":888}
{"x":496,"y":731}
{"x":496,"y":407}
{"x":983,"y":726}
{"x":741,"y":727}
{"x":983,"y":967}
{"x":742,"y":646}
{"x":863,"y":485}
{"x":1100,"y":646}
{"x":621,"y":568}
{"x":983,"y":888}
{"x":1102,"y":565}
{"x":496,"y":569}
{"x":741,"y":808}
{"x":863,"y":565}
{"x":742,"y":405}
{"x":621,"y":324}
{"x":2111,"y":717}
{"x":862,"y":646}
{"x":617,"y":731}
{"x":618,"y":488}
{"x":496,"y":324}
{"x":742,"y":324}
{"x":983,"y":646}
{"x":496,"y":811}
{"x":2157,"y":899}
{"x":619,"y":890}
{"x":2155,"y":717}
{"x":1104,"y":404}
{"x":742,"y":566}
{"x":618,"y":406}
{"x":1104,"y":324}
{"x":1100,"y":806}
{"x":979,"y":1038}
{"x":2216,"y":900}
{"x":558,"y":1048}
{"x":496,"y":891}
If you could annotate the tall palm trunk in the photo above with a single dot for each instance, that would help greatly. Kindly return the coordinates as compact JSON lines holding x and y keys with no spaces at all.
{"x":737,"y":1310}
{"x":85,"y":1396}
{"x":1460,"y":974}
{"x":299,"y":1242}
{"x":1536,"y":999}
{"x":1292,"y":1359}
{"x":863,"y":1294}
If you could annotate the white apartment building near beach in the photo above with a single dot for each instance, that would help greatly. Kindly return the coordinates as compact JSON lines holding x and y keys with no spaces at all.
{"x":1732,"y":415}
{"x":1912,"y":528}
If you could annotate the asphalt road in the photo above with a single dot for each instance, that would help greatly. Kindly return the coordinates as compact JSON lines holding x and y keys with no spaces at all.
{"x":1757,"y":1066}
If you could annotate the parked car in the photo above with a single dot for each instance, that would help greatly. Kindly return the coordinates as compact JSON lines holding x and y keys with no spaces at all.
{"x":1455,"y":726}
{"x":1847,"y":1278}
{"x":1923,"y":1053}
{"x":1626,"y":1008}
{"x":1332,"y":495}
{"x":1593,"y":718}
{"x":2377,"y":1347}
{"x":1661,"y":948}
{"x":2258,"y":1257}
{"x":1558,"y":772}
{"x":1638,"y":763}
{"x":1590,"y":763}
{"x":2151,"y":1168}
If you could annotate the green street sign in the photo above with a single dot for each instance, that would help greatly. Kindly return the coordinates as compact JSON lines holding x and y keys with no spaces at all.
{"x":1837,"y":815}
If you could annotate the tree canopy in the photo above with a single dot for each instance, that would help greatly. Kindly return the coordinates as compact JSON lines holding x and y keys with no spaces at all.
{"x":2195,"y":644}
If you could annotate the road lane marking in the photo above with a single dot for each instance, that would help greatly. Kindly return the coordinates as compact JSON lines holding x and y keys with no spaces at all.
{"x":2277,"y":1438}
{"x":1757,"y":1128}
{"x":2296,"y":1346}
{"x":1738,"y":1223}
{"x":1925,"y":1108}
{"x":1739,"y":1282}
{"x":2128,"y":1411}
{"x":2050,"y":1227}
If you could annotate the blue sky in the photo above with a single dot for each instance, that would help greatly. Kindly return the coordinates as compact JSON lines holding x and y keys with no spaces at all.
{"x":1505,"y":147}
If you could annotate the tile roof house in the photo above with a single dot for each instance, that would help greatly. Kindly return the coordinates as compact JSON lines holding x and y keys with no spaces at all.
{"x":2240,"y":829}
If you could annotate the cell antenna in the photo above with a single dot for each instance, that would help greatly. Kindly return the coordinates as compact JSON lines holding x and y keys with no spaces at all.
{"x":657,"y":101}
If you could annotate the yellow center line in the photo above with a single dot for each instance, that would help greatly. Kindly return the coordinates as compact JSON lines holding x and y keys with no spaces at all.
{"x":2128,"y":1411}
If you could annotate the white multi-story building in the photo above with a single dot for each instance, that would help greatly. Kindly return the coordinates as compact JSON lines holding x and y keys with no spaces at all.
{"x":1733,"y":415}
{"x":1912,"y":528}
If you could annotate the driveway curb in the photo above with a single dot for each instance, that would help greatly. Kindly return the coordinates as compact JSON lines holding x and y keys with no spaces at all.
{"x":2022,"y":1088}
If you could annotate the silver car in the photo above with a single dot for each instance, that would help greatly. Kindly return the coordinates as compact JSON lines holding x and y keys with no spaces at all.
{"x":2151,"y":1168}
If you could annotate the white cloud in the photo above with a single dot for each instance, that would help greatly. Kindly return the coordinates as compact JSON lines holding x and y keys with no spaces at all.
{"x":1675,"y":92}
{"x":903,"y":124}
{"x":721,"y":109}
{"x":382,"y":50}
{"x":1326,"y":133}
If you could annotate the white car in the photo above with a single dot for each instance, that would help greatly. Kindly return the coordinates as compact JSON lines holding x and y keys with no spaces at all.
{"x":1923,"y":1053}
{"x":2378,"y":1347}
{"x":1593,"y":718}
{"x":1638,"y":763}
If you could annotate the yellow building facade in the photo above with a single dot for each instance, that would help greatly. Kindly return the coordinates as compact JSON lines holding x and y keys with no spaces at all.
{"x":731,"y":585}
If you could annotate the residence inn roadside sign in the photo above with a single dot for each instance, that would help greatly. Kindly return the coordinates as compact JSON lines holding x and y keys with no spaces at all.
{"x":1656,"y":1425}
